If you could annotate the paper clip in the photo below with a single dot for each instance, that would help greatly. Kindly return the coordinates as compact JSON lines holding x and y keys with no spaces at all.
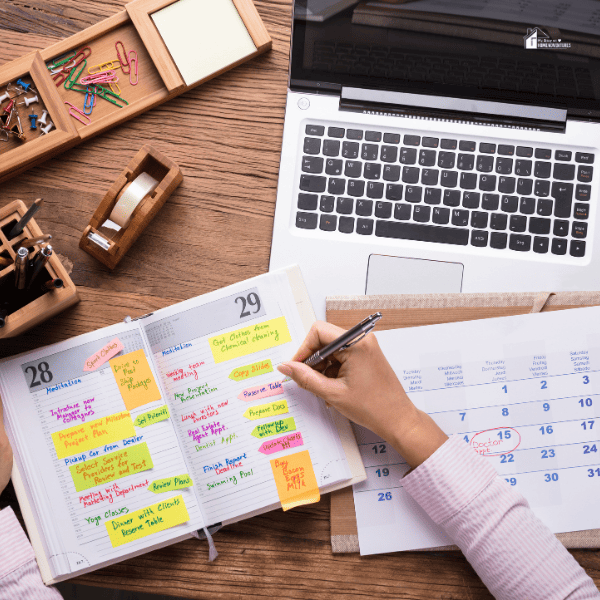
{"x":133,"y":67}
{"x":70,"y":81}
{"x":89,"y":102}
{"x":101,"y":77}
{"x":83,"y":54}
{"x":114,"y":86}
{"x":124,"y":61}
{"x":109,"y":96}
{"x":78,"y":114}
{"x":59,"y":78}
{"x":64,"y":58}
{"x":105,"y":66}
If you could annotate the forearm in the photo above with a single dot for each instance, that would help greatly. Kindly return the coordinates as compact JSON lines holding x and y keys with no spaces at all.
{"x":512,"y":551}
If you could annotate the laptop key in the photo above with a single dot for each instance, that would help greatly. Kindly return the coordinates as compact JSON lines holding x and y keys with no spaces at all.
{"x":369,"y":151}
{"x":542,"y":169}
{"x":412,"y":140}
{"x":345,"y":206}
{"x":581,"y":211}
{"x":312,"y":164}
{"x":306,"y":220}
{"x":451,"y":197}
{"x":561,"y":228}
{"x":354,"y":134}
{"x":408,"y":156}
{"x":446,"y":160}
{"x":490,"y":201}
{"x":422,"y":233}
{"x":389,"y":154}
{"x":313,"y":183}
{"x":402,"y":212}
{"x":517,"y":223}
{"x":372,"y":170}
{"x":328,"y":222}
{"x":498,"y":221}
{"x":410,"y":174}
{"x":430,"y":176}
{"x":422,"y":214}
{"x":465,"y":146}
{"x":373,"y":136}
{"x":582,"y":192}
{"x":527,"y":206}
{"x":577,"y":248}
{"x":350,"y":149}
{"x":430,"y":142}
{"x":364,"y":208}
{"x":543,"y":153}
{"x":315,"y":130}
{"x":433,"y":195}
{"x":391,"y":172}
{"x":441,"y":216}
{"x":346,"y":224}
{"x":539,"y":226}
{"x":375,"y":190}
{"x":563,"y":194}
{"x":468,"y":181}
{"x":579,"y":230}
{"x":520,"y":243}
{"x":564,"y":172}
{"x":353,"y":168}
{"x":460,"y":218}
{"x":485,"y":164}
{"x":479,"y":219}
{"x":487,"y":183}
{"x":524,"y":186}
{"x":542,"y":188}
{"x":524,"y":151}
{"x":471,"y":199}
{"x":326,"y":204}
{"x":336,"y":132}
{"x":334,"y":166}
{"x":393,"y":191}
{"x":449,"y":179}
{"x":506,"y":150}
{"x":312,"y":145}
{"x":466,"y":162}
{"x":584,"y":174}
{"x":544,"y":207}
{"x":391,"y":138}
{"x":336,"y":187}
{"x":559,"y":246}
{"x":487,"y":148}
{"x":427,"y":158}
{"x":541,"y":245}
{"x":308,"y":201}
{"x":383,"y":210}
{"x":523,"y":168}
{"x":563,"y":155}
{"x":364,"y":226}
{"x":448,"y":144}
{"x":504,"y":166}
{"x":584,"y":157}
{"x":331,"y":147}
{"x":356,"y":187}
{"x":414,"y":193}
{"x":498,"y":240}
{"x":479,"y":239}
{"x":506,"y":185}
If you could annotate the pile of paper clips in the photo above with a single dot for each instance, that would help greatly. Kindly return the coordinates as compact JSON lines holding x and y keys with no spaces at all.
{"x":10,"y":120}
{"x":100,"y":82}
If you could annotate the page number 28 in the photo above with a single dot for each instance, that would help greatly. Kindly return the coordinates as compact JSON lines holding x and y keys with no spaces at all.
{"x":251,"y":299}
{"x":44,"y":371}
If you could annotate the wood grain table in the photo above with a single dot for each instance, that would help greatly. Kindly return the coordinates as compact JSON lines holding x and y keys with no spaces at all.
{"x":215,"y":230}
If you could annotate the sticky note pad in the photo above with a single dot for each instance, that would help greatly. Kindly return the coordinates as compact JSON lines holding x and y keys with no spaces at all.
{"x":295,"y":479}
{"x":111,"y":466}
{"x":252,"y":338}
{"x":203,"y":36}
{"x":135,"y":380}
{"x":97,"y":359}
{"x":146,"y":521}
{"x":152,"y":416}
{"x":93,"y":434}
{"x":171,"y":483}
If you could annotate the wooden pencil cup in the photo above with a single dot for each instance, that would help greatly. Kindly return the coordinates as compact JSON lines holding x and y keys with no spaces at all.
{"x":27,"y":308}
{"x":109,"y":246}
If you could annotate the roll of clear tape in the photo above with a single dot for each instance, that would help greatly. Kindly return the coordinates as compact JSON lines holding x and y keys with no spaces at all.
{"x":131,"y":195}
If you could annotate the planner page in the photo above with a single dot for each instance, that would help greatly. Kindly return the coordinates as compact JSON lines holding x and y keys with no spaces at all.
{"x":88,"y":421}
{"x":243,"y":433}
{"x":523,"y":392}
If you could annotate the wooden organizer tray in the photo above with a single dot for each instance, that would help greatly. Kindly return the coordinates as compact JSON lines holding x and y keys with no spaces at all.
{"x":36,"y":306}
{"x":147,"y":160}
{"x":159,"y":78}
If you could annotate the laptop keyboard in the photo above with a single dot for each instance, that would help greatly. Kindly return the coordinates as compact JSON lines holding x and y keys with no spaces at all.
{"x":446,"y":191}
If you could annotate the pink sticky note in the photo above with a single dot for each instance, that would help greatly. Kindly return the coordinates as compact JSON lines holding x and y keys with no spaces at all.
{"x":283,"y":443}
{"x":262,"y":391}
{"x":99,"y":358}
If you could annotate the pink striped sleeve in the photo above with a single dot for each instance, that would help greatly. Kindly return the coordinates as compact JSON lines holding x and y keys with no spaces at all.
{"x":19,"y":573}
{"x":512,"y":551}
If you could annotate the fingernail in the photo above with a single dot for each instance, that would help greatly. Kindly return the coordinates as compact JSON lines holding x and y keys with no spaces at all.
{"x":285,"y":369}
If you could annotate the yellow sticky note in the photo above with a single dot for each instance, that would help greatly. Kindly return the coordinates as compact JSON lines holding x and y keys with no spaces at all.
{"x":171,"y":483}
{"x":111,"y":466}
{"x":146,"y":521}
{"x":252,"y":338}
{"x":93,"y":434}
{"x":152,"y":416}
{"x":278,"y":407}
{"x":295,"y":479}
{"x":135,"y":380}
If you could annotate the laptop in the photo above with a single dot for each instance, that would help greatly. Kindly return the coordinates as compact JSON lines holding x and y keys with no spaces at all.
{"x":436,"y":146}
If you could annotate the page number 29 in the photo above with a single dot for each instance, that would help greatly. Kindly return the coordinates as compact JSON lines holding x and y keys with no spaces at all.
{"x":44,"y":372}
{"x":251,"y":299}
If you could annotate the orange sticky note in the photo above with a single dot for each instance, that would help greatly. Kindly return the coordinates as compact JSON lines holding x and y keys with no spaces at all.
{"x":295,"y":479}
{"x":135,"y":380}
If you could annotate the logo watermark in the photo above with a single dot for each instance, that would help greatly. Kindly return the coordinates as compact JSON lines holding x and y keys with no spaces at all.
{"x":538,"y":39}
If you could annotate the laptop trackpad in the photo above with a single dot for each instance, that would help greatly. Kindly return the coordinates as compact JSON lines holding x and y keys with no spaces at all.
{"x":397,"y":275}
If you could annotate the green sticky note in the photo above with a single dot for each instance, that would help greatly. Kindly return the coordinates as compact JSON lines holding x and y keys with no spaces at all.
{"x":253,"y":370}
{"x":170,"y":483}
{"x":268,"y":429}
{"x":152,"y":416}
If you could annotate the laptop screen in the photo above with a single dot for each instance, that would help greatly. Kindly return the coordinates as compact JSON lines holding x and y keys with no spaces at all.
{"x":544,"y":52}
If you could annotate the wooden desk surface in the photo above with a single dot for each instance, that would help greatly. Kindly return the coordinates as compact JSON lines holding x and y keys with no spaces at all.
{"x":226,"y":136}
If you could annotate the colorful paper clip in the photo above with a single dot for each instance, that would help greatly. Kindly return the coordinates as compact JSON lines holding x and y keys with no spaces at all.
{"x":105,"y":66}
{"x":123,"y":59}
{"x":61,"y":60}
{"x":133,"y":68}
{"x":74,"y":75}
{"x":89,"y":101}
{"x":78,"y":114}
{"x":101,"y":77}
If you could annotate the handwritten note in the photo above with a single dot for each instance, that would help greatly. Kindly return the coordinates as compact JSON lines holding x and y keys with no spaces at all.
{"x":283,"y":443}
{"x":250,"y":339}
{"x":268,"y":429}
{"x":152,"y":416}
{"x":111,"y":466}
{"x":279,"y":407}
{"x":93,"y":434}
{"x":99,"y":358}
{"x":169,"y":484}
{"x":135,"y":380}
{"x":247,"y":371}
{"x":261,"y":391}
{"x":295,"y":480}
{"x":146,"y":521}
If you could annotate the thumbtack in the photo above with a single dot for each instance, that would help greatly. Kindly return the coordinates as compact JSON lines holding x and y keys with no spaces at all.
{"x":4,"y":97}
{"x":25,"y":86}
{"x":28,"y":101}
{"x":48,"y":127}
{"x":33,"y":119}
{"x":43,"y":119}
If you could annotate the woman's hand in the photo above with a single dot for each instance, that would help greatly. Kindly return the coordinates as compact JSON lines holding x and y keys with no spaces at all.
{"x":6,"y":458}
{"x":361,"y":384}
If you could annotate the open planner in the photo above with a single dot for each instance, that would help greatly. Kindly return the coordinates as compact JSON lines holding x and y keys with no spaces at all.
{"x":132,"y":437}
{"x":522,"y":391}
